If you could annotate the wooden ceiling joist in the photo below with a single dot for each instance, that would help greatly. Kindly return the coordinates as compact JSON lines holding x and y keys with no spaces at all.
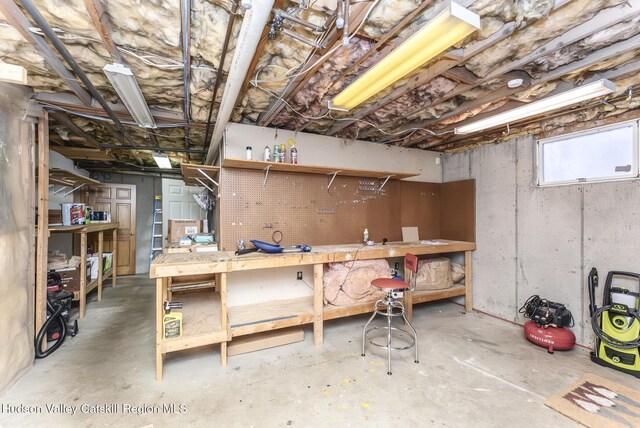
{"x":21,"y":23}
{"x":80,"y":153}
{"x":103,"y":25}
{"x":358,"y":13}
{"x":438,"y":68}
{"x":603,"y":20}
{"x":64,"y":119}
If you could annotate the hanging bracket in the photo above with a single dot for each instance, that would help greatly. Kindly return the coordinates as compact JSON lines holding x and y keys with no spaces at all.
{"x":73,"y":190}
{"x":208,"y":177}
{"x":333,"y":177}
{"x":55,"y":192}
{"x":203,"y":183}
{"x":266,"y":174}
{"x":385,"y":182}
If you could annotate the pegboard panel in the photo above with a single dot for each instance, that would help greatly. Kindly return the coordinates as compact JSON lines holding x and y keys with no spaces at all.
{"x":304,"y":210}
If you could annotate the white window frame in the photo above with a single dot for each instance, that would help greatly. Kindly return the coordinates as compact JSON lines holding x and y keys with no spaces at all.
{"x":635,"y":167}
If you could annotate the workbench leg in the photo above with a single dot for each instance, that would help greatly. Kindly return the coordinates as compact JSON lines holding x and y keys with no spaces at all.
{"x":221,"y":281}
{"x":100,"y":263}
{"x":318,"y":304}
{"x":114,"y":257}
{"x":223,"y":354}
{"x":83,"y":273}
{"x":159,"y":328}
{"x":468,"y":295}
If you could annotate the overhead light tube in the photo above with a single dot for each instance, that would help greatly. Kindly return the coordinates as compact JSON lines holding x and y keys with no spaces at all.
{"x":162,"y":160}
{"x":554,"y":102}
{"x":125,"y":84}
{"x":448,"y":27}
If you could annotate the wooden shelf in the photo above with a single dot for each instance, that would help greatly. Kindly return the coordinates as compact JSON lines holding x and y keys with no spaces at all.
{"x":312,"y":169}
{"x":432,"y":295}
{"x":200,"y":322}
{"x":255,"y":318}
{"x":199,"y":175}
{"x":84,"y":228}
{"x":63,"y":177}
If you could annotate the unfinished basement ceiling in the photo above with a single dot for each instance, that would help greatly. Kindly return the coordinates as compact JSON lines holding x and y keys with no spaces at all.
{"x":551,"y":46}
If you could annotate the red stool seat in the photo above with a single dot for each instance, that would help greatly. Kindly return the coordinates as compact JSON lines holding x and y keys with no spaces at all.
{"x":389,"y":284}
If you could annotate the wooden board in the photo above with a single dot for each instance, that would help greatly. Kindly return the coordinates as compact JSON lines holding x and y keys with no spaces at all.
{"x":268,"y":339}
{"x":313,"y":169}
{"x":82,"y":153}
{"x":88,"y":228}
{"x":200,"y":322}
{"x":178,"y":264}
{"x":255,"y":318}
{"x":192,"y":172}
{"x":458,"y":210}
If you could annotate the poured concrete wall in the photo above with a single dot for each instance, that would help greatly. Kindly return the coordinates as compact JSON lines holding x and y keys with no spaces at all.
{"x":543,"y":241}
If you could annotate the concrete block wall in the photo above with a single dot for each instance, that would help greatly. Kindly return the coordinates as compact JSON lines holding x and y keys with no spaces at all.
{"x":534,"y":240}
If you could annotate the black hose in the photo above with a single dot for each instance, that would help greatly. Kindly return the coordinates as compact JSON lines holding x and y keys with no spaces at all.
{"x":56,"y":315}
{"x":609,"y":340}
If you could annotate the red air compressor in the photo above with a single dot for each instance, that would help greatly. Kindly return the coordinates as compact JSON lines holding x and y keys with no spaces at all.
{"x":547,"y":327}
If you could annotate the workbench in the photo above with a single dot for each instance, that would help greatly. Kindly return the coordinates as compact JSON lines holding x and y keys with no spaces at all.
{"x":83,"y":230}
{"x":207,"y":320}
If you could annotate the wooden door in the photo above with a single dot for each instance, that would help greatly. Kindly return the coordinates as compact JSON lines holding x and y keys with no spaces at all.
{"x":178,"y":203}
{"x":120,"y":200}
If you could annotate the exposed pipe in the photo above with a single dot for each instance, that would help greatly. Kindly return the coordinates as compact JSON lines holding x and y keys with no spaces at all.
{"x":300,"y":38}
{"x":254,"y":20}
{"x":312,"y":27}
{"x":345,"y":30}
{"x":55,"y":41}
{"x":223,"y":56}
{"x":186,"y":35}
{"x":155,"y":149}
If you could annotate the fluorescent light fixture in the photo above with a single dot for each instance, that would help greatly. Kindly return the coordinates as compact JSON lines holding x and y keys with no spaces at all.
{"x":162,"y":160}
{"x":554,"y":102}
{"x":125,"y":84}
{"x":448,"y":27}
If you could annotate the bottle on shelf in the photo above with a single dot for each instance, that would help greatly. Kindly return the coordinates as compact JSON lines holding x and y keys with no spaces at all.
{"x":366,"y":235}
{"x":267,"y":154}
{"x":276,"y":154}
{"x":294,"y":155}
{"x":249,"y":153}
{"x":283,"y":153}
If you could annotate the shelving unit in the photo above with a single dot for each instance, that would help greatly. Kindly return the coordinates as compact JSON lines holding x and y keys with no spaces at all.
{"x":83,"y":231}
{"x":279,"y":314}
{"x":67,"y":180}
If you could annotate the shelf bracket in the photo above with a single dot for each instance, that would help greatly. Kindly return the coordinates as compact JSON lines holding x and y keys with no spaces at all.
{"x":333,"y":177}
{"x":202,"y":182}
{"x":74,"y":189}
{"x":207,"y":176}
{"x":385,"y":182}
{"x":266,"y":174}
{"x":55,"y":192}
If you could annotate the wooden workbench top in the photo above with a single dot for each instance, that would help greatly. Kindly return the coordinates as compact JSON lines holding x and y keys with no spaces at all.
{"x":225,"y":261}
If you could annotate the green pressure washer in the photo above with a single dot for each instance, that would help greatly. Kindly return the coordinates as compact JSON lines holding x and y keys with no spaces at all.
{"x":616,"y":323}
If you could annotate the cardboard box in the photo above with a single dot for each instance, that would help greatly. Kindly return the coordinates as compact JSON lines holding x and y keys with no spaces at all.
{"x":178,"y":228}
{"x":71,"y":277}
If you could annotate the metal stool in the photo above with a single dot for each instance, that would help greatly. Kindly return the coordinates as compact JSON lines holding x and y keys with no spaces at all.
{"x":391,"y":307}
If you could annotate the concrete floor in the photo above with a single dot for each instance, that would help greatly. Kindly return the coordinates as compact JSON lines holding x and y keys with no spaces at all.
{"x":474,"y":370}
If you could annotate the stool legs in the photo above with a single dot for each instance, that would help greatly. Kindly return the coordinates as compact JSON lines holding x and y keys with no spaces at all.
{"x":390,"y":304}
{"x":364,"y":330}
{"x":389,"y":338}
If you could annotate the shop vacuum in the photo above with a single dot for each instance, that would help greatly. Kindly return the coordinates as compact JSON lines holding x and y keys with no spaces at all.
{"x":616,"y":323}
{"x":55,"y":329}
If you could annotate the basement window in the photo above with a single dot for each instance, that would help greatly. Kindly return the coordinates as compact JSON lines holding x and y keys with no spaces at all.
{"x":602,"y":154}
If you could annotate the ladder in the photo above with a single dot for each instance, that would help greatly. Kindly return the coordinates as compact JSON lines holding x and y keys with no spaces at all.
{"x":156,"y":238}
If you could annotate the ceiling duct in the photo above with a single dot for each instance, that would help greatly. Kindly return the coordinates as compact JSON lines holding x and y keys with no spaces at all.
{"x":255,"y":19}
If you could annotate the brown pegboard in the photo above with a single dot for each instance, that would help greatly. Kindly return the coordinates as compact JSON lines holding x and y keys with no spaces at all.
{"x":301,"y":207}
{"x":306,"y":212}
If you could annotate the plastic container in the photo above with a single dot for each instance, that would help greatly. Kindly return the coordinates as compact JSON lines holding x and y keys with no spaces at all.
{"x":276,"y":153}
{"x":249,"y":153}
{"x":267,"y":154}
{"x":294,"y":155}
{"x":365,"y":235}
